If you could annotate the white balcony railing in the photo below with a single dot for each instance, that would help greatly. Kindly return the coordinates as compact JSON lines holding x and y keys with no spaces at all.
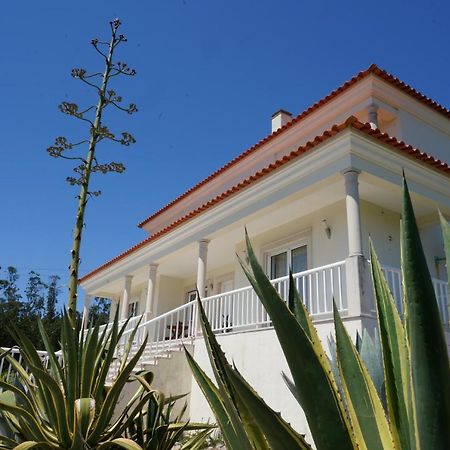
{"x":240,"y":309}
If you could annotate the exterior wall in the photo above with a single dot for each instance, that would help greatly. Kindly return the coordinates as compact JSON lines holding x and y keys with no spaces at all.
{"x":322,"y":250}
{"x":424,"y":136}
{"x":383,"y":226}
{"x":259,"y":358}
{"x":169,"y":294}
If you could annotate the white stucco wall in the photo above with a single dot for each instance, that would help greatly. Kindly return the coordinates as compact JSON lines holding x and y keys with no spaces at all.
{"x":424,"y":136}
{"x":258,"y":356}
{"x":383,"y":226}
{"x":321,"y":249}
{"x":169,"y":293}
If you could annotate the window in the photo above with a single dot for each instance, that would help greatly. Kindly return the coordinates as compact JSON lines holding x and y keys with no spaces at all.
{"x":295,"y":258}
{"x":133,"y":309}
{"x":290,"y":253}
{"x":191,"y":296}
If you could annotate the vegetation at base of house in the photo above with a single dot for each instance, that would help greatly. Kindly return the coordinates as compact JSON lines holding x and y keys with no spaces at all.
{"x":65,"y":403}
{"x":156,"y":426}
{"x":97,"y":131}
{"x":415,"y":360}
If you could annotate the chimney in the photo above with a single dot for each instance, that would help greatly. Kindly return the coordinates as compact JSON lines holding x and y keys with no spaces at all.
{"x":280,"y":118}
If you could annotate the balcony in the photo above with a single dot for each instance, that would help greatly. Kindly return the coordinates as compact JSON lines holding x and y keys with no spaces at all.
{"x":240,"y":310}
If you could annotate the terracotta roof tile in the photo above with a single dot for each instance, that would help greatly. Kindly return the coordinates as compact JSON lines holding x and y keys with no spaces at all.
{"x":352,"y":122}
{"x":373,"y":69}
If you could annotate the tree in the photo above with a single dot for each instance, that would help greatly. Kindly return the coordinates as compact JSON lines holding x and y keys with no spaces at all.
{"x":99,"y":310}
{"x":52,"y":297}
{"x":8,"y":286}
{"x":34,"y":293}
{"x":98,"y":131}
{"x":9,"y":304}
{"x":52,"y":320}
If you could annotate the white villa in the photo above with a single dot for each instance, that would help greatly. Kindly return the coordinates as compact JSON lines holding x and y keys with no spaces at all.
{"x":310,"y":194}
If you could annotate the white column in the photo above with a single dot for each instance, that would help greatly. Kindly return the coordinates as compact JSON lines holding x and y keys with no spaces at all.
{"x":353,"y":211}
{"x":126,"y":297}
{"x":373,"y":115}
{"x":201,"y":266}
{"x":359,"y":298}
{"x":86,"y":307}
{"x":151,"y":285}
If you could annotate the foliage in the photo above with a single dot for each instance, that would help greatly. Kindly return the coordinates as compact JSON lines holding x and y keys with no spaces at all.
{"x":23,"y":308}
{"x":415,"y":360}
{"x":66,"y":403}
{"x":97,"y":132}
{"x":155,"y":427}
{"x":100,"y":310}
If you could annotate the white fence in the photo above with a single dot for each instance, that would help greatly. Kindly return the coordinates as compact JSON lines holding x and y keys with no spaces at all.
{"x":7,"y":371}
{"x":241,"y":309}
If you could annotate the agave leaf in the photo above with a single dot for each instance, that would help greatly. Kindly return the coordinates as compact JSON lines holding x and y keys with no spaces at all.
{"x":85,"y":412}
{"x":313,"y":379}
{"x":108,"y":349}
{"x":214,"y":398}
{"x":112,"y":397}
{"x":300,"y":312}
{"x":127,"y":444}
{"x":32,"y":359}
{"x":54,"y":365}
{"x":446,"y":236}
{"x":36,"y":429}
{"x":88,"y":358}
{"x":33,"y":444}
{"x":370,"y":351}
{"x":428,"y":349}
{"x":57,"y":403}
{"x":397,"y":369}
{"x":279,"y":434}
{"x":238,"y":414}
{"x":197,"y":442}
{"x":69,"y":349}
{"x":363,"y":404}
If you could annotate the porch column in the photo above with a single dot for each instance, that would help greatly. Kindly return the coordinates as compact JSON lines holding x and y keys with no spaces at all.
{"x":353,"y":212}
{"x":201,"y":266}
{"x":151,"y":285}
{"x":86,"y":307}
{"x":359,"y":296}
{"x":126,"y":297}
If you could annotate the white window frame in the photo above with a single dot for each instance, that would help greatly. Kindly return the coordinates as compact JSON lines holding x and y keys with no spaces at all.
{"x":288,"y":244}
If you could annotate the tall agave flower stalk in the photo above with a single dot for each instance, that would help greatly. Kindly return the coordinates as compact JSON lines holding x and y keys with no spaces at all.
{"x":415,"y":359}
{"x":98,"y":131}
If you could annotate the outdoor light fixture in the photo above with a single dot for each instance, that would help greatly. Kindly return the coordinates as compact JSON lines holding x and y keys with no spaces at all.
{"x":327,"y":228}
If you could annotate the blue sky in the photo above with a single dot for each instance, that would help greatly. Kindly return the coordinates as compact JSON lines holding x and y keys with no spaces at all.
{"x":210,"y":74}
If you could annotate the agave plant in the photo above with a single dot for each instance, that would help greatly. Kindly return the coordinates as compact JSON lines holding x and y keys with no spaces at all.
{"x":156,"y":427}
{"x":66,"y":403}
{"x":415,"y":360}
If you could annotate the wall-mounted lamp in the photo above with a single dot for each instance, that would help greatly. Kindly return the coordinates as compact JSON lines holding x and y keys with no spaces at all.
{"x":326,"y":228}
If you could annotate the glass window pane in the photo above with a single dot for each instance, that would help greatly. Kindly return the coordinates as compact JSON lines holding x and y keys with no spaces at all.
{"x":278,"y":265}
{"x":299,"y":261}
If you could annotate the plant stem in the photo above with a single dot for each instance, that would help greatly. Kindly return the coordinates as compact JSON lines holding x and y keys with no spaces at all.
{"x":84,"y":189}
